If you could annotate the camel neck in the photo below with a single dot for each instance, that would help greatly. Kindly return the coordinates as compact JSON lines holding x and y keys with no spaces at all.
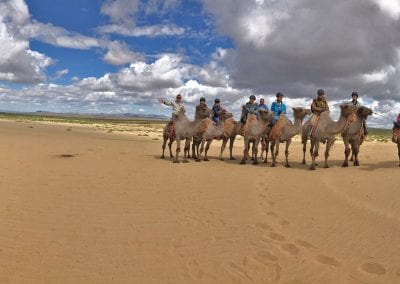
{"x":334,"y":127}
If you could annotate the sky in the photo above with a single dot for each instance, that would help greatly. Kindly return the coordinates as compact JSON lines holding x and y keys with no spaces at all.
{"x":120,"y":56}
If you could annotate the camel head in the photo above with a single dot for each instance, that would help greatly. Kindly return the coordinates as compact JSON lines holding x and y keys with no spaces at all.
{"x":347,"y":109}
{"x":266,"y":115}
{"x":363,"y":111}
{"x":203,"y":113}
{"x":224,"y":114}
{"x":181,"y":111}
{"x":300,"y":112}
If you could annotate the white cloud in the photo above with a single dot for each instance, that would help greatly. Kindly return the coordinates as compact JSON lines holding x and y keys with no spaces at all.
{"x":118,"y":53}
{"x":390,"y":7}
{"x":150,"y":31}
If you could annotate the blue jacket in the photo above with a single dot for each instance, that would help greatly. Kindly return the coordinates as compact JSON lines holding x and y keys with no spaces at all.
{"x":263,"y":107}
{"x":278,"y":108}
{"x":215,"y":110}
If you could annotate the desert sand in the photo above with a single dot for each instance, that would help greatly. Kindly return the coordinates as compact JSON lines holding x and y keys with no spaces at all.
{"x":79,"y":205}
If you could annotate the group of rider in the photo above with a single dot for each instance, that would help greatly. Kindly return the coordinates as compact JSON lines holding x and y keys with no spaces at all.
{"x":318,"y":106}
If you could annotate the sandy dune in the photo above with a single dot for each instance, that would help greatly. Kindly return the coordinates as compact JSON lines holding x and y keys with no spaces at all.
{"x":87,"y":206}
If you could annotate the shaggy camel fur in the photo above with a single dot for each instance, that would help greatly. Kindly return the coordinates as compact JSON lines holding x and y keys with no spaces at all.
{"x":284,"y":130}
{"x":325,"y":131}
{"x":214,"y":132}
{"x":353,"y":134}
{"x":253,"y":130}
{"x":184,"y":130}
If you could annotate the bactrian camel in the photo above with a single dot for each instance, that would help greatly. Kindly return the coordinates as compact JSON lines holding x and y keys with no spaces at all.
{"x":325,"y":131}
{"x":200,"y":114}
{"x":353,"y":134}
{"x":253,"y":130}
{"x":232,"y":128}
{"x":214,"y":131}
{"x":284,"y":130}
{"x":184,"y":130}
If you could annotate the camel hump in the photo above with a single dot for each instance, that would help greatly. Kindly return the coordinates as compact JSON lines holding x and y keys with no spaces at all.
{"x":250,"y":122}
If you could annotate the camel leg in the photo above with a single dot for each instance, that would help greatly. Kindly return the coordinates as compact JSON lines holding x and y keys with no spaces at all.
{"x":186,"y":151}
{"x":314,"y":153}
{"x":329,"y":144}
{"x":245,"y":151}
{"x":252,"y":150}
{"x":224,"y":141}
{"x":255,"y":150}
{"x":398,"y":149}
{"x":356,"y":149}
{"x":206,"y":150}
{"x":288,"y":142}
{"x":163,"y":147}
{"x":346,"y":153}
{"x":170,"y":147}
{"x":276,"y":150}
{"x":194,"y":146}
{"x":201,"y":150}
{"x":231,"y":141}
{"x":266,"y":150}
{"x":263,"y":143}
{"x":272,"y":148}
{"x":352,"y":157}
{"x":178,"y":149}
{"x":304,"y":142}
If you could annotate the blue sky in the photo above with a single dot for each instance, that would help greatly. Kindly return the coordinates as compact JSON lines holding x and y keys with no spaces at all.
{"x":118,"y":56}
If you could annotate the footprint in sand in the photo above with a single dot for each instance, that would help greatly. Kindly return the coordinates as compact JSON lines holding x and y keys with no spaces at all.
{"x":276,"y":237}
{"x":284,"y":222}
{"x":266,"y":255}
{"x":263,"y":226}
{"x":327,"y":260}
{"x":290,"y":248}
{"x":304,"y":244}
{"x":271,"y":213}
{"x":373,"y":268}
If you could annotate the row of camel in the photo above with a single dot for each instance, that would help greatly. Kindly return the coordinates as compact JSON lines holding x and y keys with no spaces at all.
{"x":203,"y":131}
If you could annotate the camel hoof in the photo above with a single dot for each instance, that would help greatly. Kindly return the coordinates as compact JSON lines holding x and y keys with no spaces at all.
{"x":252,"y":158}
{"x":242,"y":162}
{"x":287,"y":166}
{"x":351,"y":160}
{"x":255,"y":162}
{"x":206,"y":160}
{"x":221,"y":159}
{"x":185,"y":161}
{"x":345,"y":165}
{"x":312,"y":168}
{"x":265,"y":161}
{"x":198,"y":160}
{"x":162,"y":157}
{"x":232,"y":158}
{"x":356,"y":164}
{"x":175,"y":161}
{"x":303,"y":162}
{"x":273,"y":165}
{"x":326,"y":167}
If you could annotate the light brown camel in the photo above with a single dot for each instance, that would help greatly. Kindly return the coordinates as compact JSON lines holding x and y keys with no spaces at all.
{"x":284,"y":130}
{"x":197,"y":137}
{"x":214,"y":132}
{"x":184,"y":130}
{"x":396,"y":139}
{"x":231,"y":130}
{"x":200,"y":113}
{"x":253,"y":130}
{"x":325,"y":131}
{"x":353,"y":134}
